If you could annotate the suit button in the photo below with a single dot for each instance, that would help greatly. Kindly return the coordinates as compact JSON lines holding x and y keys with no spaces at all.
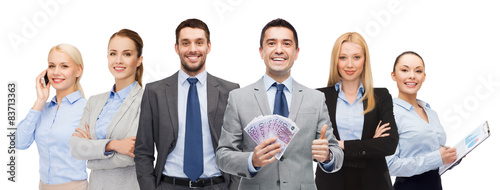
{"x":364,"y":152}
{"x":282,"y":158}
{"x":278,"y":182}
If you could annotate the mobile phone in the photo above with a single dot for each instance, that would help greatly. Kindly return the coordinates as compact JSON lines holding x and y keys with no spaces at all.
{"x":45,"y":80}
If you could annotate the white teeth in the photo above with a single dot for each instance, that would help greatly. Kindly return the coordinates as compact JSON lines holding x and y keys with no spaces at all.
{"x":120,"y":68}
{"x":57,"y":80}
{"x":278,"y":59}
{"x":192,"y":57}
{"x":411,"y":83}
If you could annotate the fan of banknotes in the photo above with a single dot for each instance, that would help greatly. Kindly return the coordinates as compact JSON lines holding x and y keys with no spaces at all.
{"x":265,"y":127}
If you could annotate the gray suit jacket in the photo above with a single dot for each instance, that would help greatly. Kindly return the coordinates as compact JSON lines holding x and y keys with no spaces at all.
{"x":114,"y":171}
{"x":159,"y":126}
{"x":295,"y":168}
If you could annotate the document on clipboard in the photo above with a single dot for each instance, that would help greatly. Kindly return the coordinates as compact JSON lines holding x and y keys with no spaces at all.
{"x":476,"y":137}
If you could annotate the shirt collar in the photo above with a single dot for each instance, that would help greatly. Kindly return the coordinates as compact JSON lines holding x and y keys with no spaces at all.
{"x":268,"y":82}
{"x":408,"y":106}
{"x":71,"y":98}
{"x":361,"y":89}
{"x":122,"y":94}
{"x":202,"y":77}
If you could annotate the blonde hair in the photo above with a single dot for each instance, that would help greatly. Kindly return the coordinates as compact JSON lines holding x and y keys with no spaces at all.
{"x":366,"y":75}
{"x":76,"y":56}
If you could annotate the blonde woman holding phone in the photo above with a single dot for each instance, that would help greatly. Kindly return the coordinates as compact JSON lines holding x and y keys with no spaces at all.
{"x":50,"y":124}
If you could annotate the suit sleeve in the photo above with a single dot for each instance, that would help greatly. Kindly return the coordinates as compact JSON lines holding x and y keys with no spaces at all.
{"x":144,"y":145}
{"x":229,"y":156}
{"x":117,"y":160}
{"x":333,"y":145}
{"x":376,"y":147}
{"x":85,"y":149}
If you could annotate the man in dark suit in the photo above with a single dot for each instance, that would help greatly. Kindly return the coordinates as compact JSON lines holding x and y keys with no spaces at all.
{"x":182,"y":116}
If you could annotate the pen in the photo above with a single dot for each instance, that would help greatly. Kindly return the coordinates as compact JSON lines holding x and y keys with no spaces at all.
{"x":447,"y":147}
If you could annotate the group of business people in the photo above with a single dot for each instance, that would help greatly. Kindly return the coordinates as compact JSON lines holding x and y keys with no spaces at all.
{"x":186,"y":131}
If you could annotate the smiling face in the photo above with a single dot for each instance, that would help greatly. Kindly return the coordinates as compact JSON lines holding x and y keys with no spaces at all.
{"x":278,"y":52}
{"x":351,"y":62}
{"x":62,"y":71}
{"x":409,"y":74}
{"x":192,"y":49}
{"x":122,"y":59}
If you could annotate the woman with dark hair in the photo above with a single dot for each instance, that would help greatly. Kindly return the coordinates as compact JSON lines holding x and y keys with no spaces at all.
{"x":50,"y":124}
{"x":420,"y":153}
{"x":362,"y":119}
{"x":106,"y":134}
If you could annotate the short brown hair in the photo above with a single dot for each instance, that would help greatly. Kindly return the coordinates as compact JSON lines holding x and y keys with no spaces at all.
{"x":192,"y":23}
{"x":279,"y":23}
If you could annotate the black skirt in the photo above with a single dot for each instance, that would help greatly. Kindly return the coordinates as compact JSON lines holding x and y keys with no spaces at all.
{"x":430,"y":180}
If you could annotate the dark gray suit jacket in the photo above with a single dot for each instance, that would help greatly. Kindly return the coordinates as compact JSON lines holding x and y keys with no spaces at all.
{"x":158,"y":126}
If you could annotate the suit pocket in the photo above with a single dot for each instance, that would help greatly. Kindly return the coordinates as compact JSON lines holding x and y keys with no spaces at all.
{"x":307,"y":110}
{"x":249,"y":187}
{"x":309,"y":186}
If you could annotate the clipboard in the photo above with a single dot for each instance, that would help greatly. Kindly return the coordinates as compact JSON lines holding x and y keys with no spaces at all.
{"x":473,"y":139}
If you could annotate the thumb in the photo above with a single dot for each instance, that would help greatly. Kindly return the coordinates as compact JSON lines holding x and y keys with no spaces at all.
{"x":323,"y":131}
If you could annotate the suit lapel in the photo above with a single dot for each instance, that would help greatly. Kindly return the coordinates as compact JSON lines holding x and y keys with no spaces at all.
{"x":366,"y":121}
{"x":331,"y":101}
{"x":171,"y":93}
{"x":122,"y":110}
{"x":261,"y":97}
{"x":297,"y":96}
{"x":95,"y":114}
{"x":212,"y":102}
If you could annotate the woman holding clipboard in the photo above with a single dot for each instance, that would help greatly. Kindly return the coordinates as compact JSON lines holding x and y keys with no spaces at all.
{"x":420,"y":150}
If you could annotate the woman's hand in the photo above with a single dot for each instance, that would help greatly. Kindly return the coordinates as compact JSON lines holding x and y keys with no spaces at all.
{"x":81,"y":133}
{"x":448,"y":155}
{"x":42,"y":93}
{"x":125,"y":146}
{"x":341,"y":144}
{"x":381,"y":130}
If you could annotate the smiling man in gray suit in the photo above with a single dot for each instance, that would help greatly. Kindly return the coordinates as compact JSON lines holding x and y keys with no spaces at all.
{"x":182,"y":116}
{"x":238,"y":154}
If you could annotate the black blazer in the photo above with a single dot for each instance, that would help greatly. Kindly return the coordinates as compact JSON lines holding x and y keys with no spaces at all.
{"x":158,"y":126}
{"x":364,"y":160}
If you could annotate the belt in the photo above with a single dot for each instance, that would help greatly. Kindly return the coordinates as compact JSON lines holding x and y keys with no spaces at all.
{"x":200,"y":182}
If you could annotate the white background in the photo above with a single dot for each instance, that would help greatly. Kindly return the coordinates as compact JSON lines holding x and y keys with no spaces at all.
{"x":457,"y":39}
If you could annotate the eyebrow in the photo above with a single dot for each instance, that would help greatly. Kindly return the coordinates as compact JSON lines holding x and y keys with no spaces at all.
{"x":274,"y":39}
{"x":123,"y":50}
{"x":187,"y":39}
{"x":64,"y":62}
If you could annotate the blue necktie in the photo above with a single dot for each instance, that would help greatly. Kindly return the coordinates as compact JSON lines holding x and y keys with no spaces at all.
{"x":280,"y":104}
{"x":193,"y":147}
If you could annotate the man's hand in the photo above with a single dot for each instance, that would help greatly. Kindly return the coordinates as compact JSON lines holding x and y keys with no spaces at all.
{"x":263,"y":154}
{"x":320,"y":149}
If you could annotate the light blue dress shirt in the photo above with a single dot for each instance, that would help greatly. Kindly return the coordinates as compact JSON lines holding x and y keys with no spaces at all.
{"x":271,"y":95}
{"x":174,"y":166}
{"x":114,"y":102}
{"x":419,"y":141}
{"x":51,"y":128}
{"x":349,"y":117}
